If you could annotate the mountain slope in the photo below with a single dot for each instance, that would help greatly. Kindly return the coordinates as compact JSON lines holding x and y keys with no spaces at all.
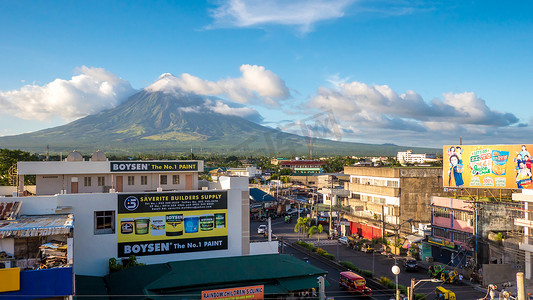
{"x":160,"y":122}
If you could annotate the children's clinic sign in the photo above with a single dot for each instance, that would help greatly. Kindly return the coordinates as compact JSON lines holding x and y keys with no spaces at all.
{"x":165,"y":223}
{"x":488,"y":166}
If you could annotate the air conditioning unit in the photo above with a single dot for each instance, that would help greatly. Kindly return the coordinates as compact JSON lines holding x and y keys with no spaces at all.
{"x":6,"y":264}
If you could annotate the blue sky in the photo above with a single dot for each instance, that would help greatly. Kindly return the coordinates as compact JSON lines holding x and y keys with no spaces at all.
{"x":419,"y":73}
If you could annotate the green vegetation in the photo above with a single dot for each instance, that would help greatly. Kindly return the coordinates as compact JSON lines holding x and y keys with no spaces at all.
{"x":115,"y":265}
{"x":9,"y":159}
{"x":315,"y":229}
{"x":362,"y":272}
{"x":302,"y":226}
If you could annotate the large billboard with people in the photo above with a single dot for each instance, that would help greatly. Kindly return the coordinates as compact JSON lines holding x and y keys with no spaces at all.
{"x":178,"y":222}
{"x":488,"y":166}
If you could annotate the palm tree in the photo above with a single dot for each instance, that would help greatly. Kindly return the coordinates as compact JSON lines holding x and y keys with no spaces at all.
{"x":302,"y":225}
{"x":316,"y":229}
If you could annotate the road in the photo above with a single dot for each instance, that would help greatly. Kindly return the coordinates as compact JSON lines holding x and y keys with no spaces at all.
{"x":379,"y":264}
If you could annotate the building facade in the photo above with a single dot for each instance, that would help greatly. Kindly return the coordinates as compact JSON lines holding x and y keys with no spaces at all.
{"x":409,"y":157}
{"x":383,"y":198}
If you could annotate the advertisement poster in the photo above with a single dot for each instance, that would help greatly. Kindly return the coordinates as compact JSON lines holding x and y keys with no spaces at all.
{"x":488,"y":166}
{"x":249,"y":292}
{"x":165,"y":223}
{"x":151,"y":166}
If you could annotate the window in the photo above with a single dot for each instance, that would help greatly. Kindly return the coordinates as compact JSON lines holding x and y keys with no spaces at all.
{"x":87,"y":181}
{"x":104,"y":222}
{"x":144,"y":180}
{"x":462,"y":215}
{"x":131,"y":180}
{"x":441,"y":233}
{"x":393,"y":184}
{"x":101,"y":180}
{"x":441,"y":212}
{"x":163,"y":179}
{"x":461,"y":237}
{"x":175,"y":179}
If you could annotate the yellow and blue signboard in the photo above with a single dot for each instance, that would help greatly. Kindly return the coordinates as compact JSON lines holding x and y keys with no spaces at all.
{"x":164,"y":223}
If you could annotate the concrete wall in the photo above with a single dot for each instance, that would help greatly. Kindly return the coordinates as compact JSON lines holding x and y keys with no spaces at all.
{"x":498,"y":216}
{"x":92,"y":251}
{"x":264,"y":248}
{"x":498,"y":273}
{"x":8,"y":245}
{"x":417,"y":188}
{"x":7,"y":191}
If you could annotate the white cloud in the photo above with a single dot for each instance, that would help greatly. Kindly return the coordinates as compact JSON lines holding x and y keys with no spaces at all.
{"x":240,"y":111}
{"x":378,"y":113}
{"x":256,"y":85}
{"x":91,"y":91}
{"x":300,"y":13}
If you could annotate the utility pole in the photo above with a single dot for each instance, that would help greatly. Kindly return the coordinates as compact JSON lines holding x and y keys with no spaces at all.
{"x":321,"y":288}
{"x":520,"y":288}
{"x":411,"y":290}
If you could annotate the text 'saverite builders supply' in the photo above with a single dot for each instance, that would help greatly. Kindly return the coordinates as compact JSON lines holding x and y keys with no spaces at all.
{"x":488,"y":166}
{"x":170,"y":166}
{"x":165,"y":223}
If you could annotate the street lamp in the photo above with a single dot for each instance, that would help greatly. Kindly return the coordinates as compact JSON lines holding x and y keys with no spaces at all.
{"x":395,"y":255}
{"x":414,"y":283}
{"x":396,"y":272}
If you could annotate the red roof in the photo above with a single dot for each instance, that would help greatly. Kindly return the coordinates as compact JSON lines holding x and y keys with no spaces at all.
{"x":302,"y":162}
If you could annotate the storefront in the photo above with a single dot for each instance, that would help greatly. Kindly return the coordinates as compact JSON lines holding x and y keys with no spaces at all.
{"x":447,"y":252}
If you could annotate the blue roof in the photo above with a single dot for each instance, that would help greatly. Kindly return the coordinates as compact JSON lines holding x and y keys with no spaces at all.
{"x":260,"y":196}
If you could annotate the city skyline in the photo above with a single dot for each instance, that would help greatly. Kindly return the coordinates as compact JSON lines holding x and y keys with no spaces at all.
{"x":418,"y":73}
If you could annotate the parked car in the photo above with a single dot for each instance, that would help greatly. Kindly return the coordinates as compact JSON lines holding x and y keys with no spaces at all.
{"x":344,"y":241}
{"x":261,"y":229}
{"x":367,"y":248}
{"x":411,"y":265}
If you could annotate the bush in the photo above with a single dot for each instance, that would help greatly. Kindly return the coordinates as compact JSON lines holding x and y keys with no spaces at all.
{"x":308,"y":246}
{"x":320,"y":251}
{"x":351,"y":266}
{"x":328,"y":256}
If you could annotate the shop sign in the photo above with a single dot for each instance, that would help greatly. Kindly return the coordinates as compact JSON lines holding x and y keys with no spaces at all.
{"x":435,"y":240}
{"x":449,"y":244}
{"x":249,"y":292}
{"x":166,"y":223}
{"x":146,"y":166}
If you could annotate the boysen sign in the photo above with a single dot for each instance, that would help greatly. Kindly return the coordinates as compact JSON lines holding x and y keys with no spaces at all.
{"x":146,"y":166}
{"x":249,"y":292}
{"x":488,"y":166}
{"x":165,"y":223}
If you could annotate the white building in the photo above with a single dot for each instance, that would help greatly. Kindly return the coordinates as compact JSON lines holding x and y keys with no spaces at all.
{"x":527,"y":222}
{"x":409,"y":157}
{"x":134,"y":211}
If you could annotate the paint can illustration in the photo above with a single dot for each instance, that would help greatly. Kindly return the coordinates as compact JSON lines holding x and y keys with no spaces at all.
{"x":126,"y":225}
{"x":174,"y":226}
{"x":207,"y":222}
{"x":157,"y":225}
{"x":220,"y":220}
{"x":191,"y":224}
{"x":141,"y":225}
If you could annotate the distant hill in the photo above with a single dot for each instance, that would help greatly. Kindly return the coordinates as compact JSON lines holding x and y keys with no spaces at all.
{"x":173,"y":123}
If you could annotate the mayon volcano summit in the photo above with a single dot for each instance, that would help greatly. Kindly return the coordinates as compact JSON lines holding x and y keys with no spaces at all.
{"x":166,"y":118}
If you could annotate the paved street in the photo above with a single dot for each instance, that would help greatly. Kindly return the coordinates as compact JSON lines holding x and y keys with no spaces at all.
{"x":379,"y":264}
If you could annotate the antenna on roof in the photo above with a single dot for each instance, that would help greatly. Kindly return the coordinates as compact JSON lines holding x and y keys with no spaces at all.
{"x":460,"y":140}
{"x":47,"y":152}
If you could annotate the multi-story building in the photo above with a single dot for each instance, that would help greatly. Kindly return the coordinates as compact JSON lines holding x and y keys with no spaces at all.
{"x":302,"y":164}
{"x":383,"y":198}
{"x":452,"y":225}
{"x":409,"y":157}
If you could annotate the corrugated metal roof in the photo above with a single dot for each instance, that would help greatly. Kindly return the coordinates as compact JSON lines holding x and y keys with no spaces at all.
{"x":44,"y":225}
{"x":9,"y":210}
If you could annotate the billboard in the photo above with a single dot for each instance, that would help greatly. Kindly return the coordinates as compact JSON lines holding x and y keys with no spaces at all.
{"x":177,"y":222}
{"x":147,"y":166}
{"x":488,"y":166}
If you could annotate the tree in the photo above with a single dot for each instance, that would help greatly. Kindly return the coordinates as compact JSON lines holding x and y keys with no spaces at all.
{"x":285,"y":171}
{"x":9,"y":158}
{"x":302,"y":226}
{"x":316,"y":229}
